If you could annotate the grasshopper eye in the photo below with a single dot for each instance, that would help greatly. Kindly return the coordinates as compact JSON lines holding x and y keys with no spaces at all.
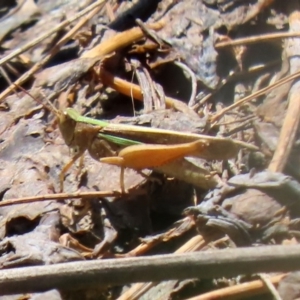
{"x":75,"y":150}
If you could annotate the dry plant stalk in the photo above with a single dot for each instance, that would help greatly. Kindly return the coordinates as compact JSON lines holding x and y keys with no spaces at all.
{"x":291,"y":121}
{"x":201,"y":264}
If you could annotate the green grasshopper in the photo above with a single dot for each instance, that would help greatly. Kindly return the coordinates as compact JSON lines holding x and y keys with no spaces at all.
{"x":81,"y":133}
{"x":141,"y":148}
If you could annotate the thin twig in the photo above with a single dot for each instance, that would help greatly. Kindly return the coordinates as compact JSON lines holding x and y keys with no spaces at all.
{"x":59,"y":196}
{"x":202,"y":264}
{"x":247,"y":118}
{"x":260,"y":92}
{"x":270,"y":286}
{"x":257,"y":39}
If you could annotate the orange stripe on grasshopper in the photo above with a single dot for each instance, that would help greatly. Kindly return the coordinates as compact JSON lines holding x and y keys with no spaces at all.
{"x":147,"y":156}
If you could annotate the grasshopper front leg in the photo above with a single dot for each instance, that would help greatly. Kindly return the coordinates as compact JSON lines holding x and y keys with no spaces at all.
{"x":66,"y":168}
{"x":78,"y":136}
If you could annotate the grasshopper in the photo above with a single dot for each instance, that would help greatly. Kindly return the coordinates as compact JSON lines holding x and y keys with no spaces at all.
{"x":82,"y":133}
{"x":141,"y":148}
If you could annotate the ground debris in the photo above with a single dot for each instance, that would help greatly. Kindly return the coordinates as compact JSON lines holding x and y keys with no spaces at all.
{"x":215,"y":80}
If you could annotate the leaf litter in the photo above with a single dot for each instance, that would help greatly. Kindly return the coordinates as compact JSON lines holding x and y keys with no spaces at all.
{"x":188,"y":66}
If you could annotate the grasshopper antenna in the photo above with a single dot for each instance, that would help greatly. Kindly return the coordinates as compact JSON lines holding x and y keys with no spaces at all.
{"x":48,"y":106}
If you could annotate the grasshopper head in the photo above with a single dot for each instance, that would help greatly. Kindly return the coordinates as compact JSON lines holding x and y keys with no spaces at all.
{"x":66,"y":126}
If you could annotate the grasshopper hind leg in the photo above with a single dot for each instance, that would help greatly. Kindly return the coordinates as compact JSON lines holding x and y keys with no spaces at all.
{"x":100,"y":149}
{"x":80,"y":167}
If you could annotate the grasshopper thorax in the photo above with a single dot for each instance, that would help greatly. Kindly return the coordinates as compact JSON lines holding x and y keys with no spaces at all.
{"x":78,"y":136}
